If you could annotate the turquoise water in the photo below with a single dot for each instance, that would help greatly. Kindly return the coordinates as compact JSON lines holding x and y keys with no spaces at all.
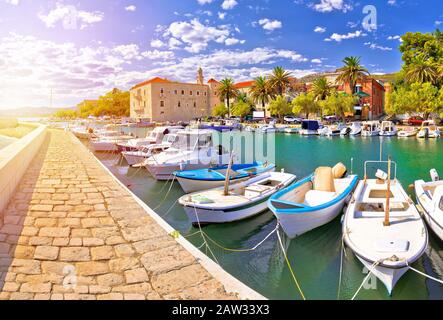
{"x":315,"y":256}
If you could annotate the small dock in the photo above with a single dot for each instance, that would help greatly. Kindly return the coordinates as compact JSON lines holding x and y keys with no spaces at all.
{"x":71,"y":231}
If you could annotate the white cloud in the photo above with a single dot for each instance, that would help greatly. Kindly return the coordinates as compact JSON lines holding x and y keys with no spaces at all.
{"x":202,"y":2}
{"x":13,"y":2}
{"x":438,"y":23}
{"x":196,"y":35}
{"x":339,"y":37}
{"x":392,"y":2}
{"x":131,"y":8}
{"x":222,"y":15}
{"x":70,"y":17}
{"x":233,"y":41}
{"x":157,"y":43}
{"x":229,"y":4}
{"x":375,"y":46}
{"x":156,"y":54}
{"x":396,"y":37}
{"x":317,"y":61}
{"x":270,"y":25}
{"x":128,"y":52}
{"x":331,"y":5}
{"x":319,"y":29}
{"x":174,"y":44}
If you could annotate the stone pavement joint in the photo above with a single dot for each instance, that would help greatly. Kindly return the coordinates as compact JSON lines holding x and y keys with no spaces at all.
{"x":72,"y":232}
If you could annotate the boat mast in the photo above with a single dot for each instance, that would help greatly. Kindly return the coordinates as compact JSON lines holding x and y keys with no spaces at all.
{"x":386,"y":223}
{"x":228,"y":175}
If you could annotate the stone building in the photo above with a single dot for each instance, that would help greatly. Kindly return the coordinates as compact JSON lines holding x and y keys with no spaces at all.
{"x":162,"y":100}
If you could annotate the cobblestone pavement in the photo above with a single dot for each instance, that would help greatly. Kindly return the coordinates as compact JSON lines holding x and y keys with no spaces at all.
{"x":72,"y":232}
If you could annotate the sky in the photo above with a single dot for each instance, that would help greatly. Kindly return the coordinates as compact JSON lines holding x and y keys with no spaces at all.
{"x":82,"y":49}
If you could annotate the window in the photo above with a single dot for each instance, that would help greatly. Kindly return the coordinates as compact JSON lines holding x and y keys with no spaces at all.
{"x":179,"y":104}
{"x":162,"y":91}
{"x":183,"y":92}
{"x":198,"y":93}
{"x":190,"y":92}
{"x":205,"y":94}
{"x":162,"y":112}
{"x":195,"y":104}
{"x":175,"y":92}
{"x":162,"y":103}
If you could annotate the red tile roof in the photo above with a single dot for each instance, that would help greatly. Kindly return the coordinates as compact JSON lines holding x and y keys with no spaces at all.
{"x":153,"y":80}
{"x":244,"y":84}
{"x":212,"y":81}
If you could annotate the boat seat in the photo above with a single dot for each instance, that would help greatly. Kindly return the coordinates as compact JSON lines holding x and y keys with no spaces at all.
{"x":324,"y":179}
{"x":255,"y":190}
{"x":315,"y":198}
{"x":339,"y":171}
{"x":391,"y":245}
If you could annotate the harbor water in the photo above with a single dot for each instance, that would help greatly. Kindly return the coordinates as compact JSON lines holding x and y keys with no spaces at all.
{"x":315,"y":257}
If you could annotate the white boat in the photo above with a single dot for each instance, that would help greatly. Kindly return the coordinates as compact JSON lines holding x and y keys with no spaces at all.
{"x":244,"y":199}
{"x":314,"y":201}
{"x":268,"y":128}
{"x":370,"y":129}
{"x":204,"y":179}
{"x":356,"y":128}
{"x":108,"y":144}
{"x":429,"y":130}
{"x":388,"y":129}
{"x":291,"y":130}
{"x":249,"y":129}
{"x":310,"y":127}
{"x":383,"y":227}
{"x":430,"y":197}
{"x":333,"y":130}
{"x":138,"y":156}
{"x":193,"y":149}
{"x":408,"y":132}
{"x":154,"y":137}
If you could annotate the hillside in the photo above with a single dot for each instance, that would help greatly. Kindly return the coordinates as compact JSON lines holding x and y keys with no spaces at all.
{"x":29,"y":112}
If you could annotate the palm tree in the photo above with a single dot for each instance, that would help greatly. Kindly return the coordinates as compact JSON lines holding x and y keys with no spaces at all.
{"x":227,"y":91}
{"x":421,"y":70}
{"x":351,"y":72}
{"x":280,"y":79}
{"x":261,"y":92}
{"x":321,"y":88}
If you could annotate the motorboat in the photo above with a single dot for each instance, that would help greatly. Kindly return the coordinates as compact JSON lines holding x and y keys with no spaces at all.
{"x":430,"y":198}
{"x":249,"y":129}
{"x":268,"y":128}
{"x":193,"y":149}
{"x":203,"y":179}
{"x":370,"y":129}
{"x":309,"y":127}
{"x":154,"y":137}
{"x":314,"y":201}
{"x":429,"y":130}
{"x":407,"y":132}
{"x":332,"y":130}
{"x":108,"y":143}
{"x":346,"y":131}
{"x":291,"y":130}
{"x":388,"y":129}
{"x":240,"y":201}
{"x":356,"y":128}
{"x":138,"y":156}
{"x":383,"y":227}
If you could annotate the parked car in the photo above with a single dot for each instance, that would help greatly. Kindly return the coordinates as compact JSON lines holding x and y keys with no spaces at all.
{"x":292,"y":119}
{"x":415,"y":121}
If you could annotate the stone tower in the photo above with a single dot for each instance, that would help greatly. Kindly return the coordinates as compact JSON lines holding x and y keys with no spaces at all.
{"x":200,"y":78}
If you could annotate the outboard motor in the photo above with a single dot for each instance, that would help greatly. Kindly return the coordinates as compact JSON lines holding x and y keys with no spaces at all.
{"x":434,"y":175}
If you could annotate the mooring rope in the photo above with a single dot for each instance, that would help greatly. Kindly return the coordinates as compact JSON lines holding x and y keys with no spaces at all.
{"x":204,"y":239}
{"x":166,"y":195}
{"x":342,"y":252}
{"x":290,"y":268}
{"x":423,"y":274}
{"x":366,"y":278}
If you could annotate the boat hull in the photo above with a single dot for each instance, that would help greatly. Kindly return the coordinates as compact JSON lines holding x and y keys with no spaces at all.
{"x":132,"y":158}
{"x":295,"y":225}
{"x":99,"y":146}
{"x":164,"y":172}
{"x":370,"y":133}
{"x":426,"y":204}
{"x":206,"y":217}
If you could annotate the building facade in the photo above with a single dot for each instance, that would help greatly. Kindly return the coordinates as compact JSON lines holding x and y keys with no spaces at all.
{"x":161,"y":100}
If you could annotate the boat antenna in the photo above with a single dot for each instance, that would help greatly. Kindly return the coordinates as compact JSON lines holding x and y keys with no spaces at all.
{"x":352,"y":166}
{"x":381,"y":149}
{"x":386,"y":223}
{"x":228,"y":175}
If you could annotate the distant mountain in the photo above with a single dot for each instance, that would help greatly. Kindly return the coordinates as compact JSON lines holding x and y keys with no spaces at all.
{"x":29,"y":112}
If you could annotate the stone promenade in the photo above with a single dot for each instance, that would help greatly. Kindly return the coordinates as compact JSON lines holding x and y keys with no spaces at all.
{"x":72,"y":232}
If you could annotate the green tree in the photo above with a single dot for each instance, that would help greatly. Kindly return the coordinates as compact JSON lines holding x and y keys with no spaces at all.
{"x":227,"y":91}
{"x":220,"y":111}
{"x":280,"y":107}
{"x":280,"y":80}
{"x":113,"y":103}
{"x":338,"y":104}
{"x":351,"y":72}
{"x":421,"y":70}
{"x":425,"y":98}
{"x":397,"y":101}
{"x":66,"y":114}
{"x":87,"y":108}
{"x":241,"y":109}
{"x":321,"y":88}
{"x":427,"y":45}
{"x":304,"y":104}
{"x":261,"y":92}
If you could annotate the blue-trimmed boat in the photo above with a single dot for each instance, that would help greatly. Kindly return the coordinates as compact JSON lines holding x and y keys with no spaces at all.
{"x":314,"y":201}
{"x":204,"y":179}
